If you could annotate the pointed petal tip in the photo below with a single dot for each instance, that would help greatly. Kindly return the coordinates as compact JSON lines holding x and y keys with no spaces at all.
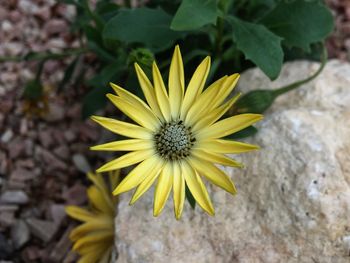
{"x":132,"y":201}
{"x":207,"y":58}
{"x":211,"y":212}
{"x":102,"y":169}
{"x":156,"y":213}
{"x":116,"y":191}
{"x":110,"y":95}
{"x":95,"y":118}
{"x":92,"y":148}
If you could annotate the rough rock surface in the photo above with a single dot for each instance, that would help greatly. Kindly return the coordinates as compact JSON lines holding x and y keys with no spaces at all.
{"x":293,"y":201}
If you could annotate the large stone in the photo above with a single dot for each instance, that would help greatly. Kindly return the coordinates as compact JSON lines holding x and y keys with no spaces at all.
{"x":293,"y":201}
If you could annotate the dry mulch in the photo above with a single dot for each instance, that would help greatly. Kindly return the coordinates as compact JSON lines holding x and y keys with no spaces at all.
{"x":43,"y":159}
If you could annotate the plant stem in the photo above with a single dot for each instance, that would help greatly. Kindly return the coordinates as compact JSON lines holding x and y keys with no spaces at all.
{"x":295,"y":85}
{"x":44,"y":55}
{"x":219,"y":35}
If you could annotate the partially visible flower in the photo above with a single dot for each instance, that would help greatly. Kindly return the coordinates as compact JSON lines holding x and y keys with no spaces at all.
{"x":36,"y":99}
{"x":179,"y":136}
{"x":94,"y":238}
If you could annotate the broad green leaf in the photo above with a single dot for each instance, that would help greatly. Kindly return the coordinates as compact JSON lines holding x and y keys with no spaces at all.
{"x":259,"y":45}
{"x":106,"y":9}
{"x":96,"y":98}
{"x":102,"y":53}
{"x":94,"y":101}
{"x":300,"y":23}
{"x":193,"y":14}
{"x":149,"y":27}
{"x":255,"y":101}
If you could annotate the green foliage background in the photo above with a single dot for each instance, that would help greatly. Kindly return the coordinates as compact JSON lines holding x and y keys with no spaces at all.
{"x":237,"y":34}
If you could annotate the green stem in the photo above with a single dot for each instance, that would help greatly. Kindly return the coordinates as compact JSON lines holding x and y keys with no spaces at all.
{"x":40,"y":70}
{"x":295,"y":85}
{"x":98,"y":21}
{"x":44,"y":55}
{"x":219,"y":35}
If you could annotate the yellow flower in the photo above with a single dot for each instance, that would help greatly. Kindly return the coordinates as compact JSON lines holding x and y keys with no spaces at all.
{"x":177,"y":139}
{"x":94,"y":239}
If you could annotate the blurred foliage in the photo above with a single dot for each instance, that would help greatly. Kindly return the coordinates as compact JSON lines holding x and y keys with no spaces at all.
{"x":237,"y":34}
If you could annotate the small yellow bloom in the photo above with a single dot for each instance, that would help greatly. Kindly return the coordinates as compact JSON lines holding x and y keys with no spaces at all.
{"x":176,"y":138}
{"x":94,"y":239}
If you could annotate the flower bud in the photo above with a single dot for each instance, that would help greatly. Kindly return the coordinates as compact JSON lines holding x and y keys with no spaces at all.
{"x":256,"y":101}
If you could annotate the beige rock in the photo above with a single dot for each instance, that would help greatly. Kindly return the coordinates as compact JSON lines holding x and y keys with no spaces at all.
{"x":293,"y":201}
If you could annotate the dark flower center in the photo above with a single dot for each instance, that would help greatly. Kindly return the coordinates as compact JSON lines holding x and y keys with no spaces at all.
{"x":174,"y":140}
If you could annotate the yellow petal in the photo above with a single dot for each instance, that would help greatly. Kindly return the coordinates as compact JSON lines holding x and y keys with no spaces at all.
{"x":79,"y":213}
{"x":179,"y":190}
{"x":148,"y":91}
{"x":97,"y":249}
{"x":132,"y":99}
{"x":145,"y":184}
{"x":228,"y":126}
{"x":98,"y":200}
{"x":224,"y":91}
{"x":161,"y":94}
{"x":103,"y":189}
{"x":197,"y":188}
{"x":163,"y":188}
{"x":124,"y":145}
{"x":176,"y":83}
{"x":126,"y":160}
{"x":98,"y":223}
{"x":114,"y":178}
{"x":138,"y":174}
{"x":91,"y":257}
{"x":213,"y":174}
{"x":94,"y":237}
{"x":123,"y":128}
{"x":226,"y":146}
{"x":196,"y":85}
{"x":106,"y":256}
{"x":141,"y":115}
{"x":203,"y":101}
{"x":215,"y":158}
{"x":214,"y":115}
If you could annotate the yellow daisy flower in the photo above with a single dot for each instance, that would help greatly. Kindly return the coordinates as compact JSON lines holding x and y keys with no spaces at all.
{"x":94,"y":239}
{"x":176,"y":140}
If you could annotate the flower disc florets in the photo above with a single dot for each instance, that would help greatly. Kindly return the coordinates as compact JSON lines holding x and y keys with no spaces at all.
{"x":174,"y":140}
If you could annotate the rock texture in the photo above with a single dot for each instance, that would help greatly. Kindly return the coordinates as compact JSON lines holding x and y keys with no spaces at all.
{"x":293,"y":201}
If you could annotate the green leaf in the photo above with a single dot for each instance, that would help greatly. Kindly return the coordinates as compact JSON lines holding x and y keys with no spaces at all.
{"x":101,"y":52}
{"x":300,"y":23}
{"x":193,"y":14}
{"x":247,"y":132}
{"x":106,"y":9}
{"x":149,"y":27}
{"x":255,"y":101}
{"x":190,"y":198}
{"x":94,"y":101}
{"x":259,"y":45}
{"x":96,"y":98}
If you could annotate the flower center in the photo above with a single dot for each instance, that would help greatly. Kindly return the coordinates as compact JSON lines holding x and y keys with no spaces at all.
{"x":174,"y":140}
